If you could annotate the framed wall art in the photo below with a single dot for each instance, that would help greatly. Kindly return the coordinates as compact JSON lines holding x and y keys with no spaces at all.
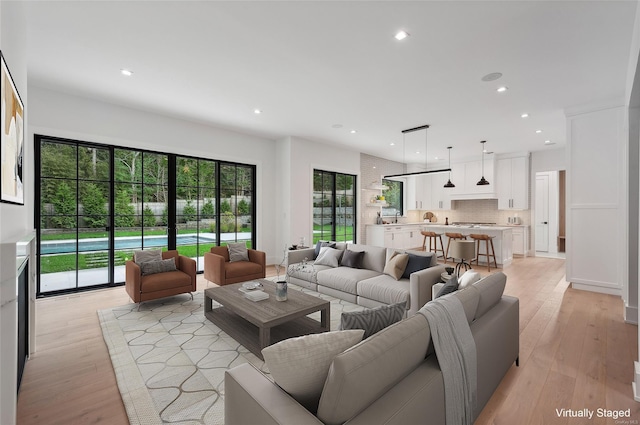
{"x":11,"y":139}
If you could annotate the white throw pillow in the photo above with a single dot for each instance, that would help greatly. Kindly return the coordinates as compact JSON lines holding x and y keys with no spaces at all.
{"x":468,"y":278}
{"x":328,"y":257}
{"x":301,"y":365}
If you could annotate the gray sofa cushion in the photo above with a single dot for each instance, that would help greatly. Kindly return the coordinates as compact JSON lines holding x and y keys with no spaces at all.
{"x":469,"y":297}
{"x":491,"y":289}
{"x":385,"y":289}
{"x":308,"y":273}
{"x":343,"y":278}
{"x":374,"y":256}
{"x":366,"y":371}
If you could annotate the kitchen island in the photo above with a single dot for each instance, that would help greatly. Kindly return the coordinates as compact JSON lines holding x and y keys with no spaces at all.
{"x":406,"y":236}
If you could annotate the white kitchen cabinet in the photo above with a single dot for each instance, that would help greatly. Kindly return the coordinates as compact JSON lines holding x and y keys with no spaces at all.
{"x":513,"y":183}
{"x":418,"y":192}
{"x":465,"y":175}
{"x":520,"y":239}
{"x":440,"y":196}
{"x":394,"y":236}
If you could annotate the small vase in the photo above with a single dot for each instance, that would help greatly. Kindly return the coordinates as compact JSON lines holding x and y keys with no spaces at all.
{"x":281,"y":291}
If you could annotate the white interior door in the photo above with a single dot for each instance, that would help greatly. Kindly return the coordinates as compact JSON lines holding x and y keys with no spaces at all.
{"x":542,"y":212}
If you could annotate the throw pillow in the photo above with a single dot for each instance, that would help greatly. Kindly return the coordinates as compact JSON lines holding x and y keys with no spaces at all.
{"x":153,"y":267}
{"x":301,"y":365}
{"x":319,"y":245}
{"x":238,"y":252}
{"x":329,"y":257}
{"x":396,"y":265}
{"x":373,"y":320}
{"x":449,"y":287}
{"x":352,"y":259}
{"x":147,"y":255}
{"x":416,"y":262}
{"x":468,"y":278}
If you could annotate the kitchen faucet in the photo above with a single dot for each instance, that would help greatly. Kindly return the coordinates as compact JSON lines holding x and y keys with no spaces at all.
{"x":397,"y":212}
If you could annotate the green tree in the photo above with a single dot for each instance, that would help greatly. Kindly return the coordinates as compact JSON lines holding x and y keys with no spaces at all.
{"x":207,"y":210}
{"x":225,"y":207}
{"x":64,"y":204}
{"x":124,"y":211}
{"x":189,"y":212}
{"x":93,"y":204}
{"x":148,"y":218}
{"x":243,"y":207}
{"x":165,"y":216}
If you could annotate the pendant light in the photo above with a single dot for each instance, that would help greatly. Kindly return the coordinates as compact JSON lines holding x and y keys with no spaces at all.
{"x":449,"y":184}
{"x":483,"y":181}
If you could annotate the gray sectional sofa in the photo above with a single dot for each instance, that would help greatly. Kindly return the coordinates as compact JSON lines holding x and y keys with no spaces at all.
{"x":367,"y":286}
{"x":392,"y":377}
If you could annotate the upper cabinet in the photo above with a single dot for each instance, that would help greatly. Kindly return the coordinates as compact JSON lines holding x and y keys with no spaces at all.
{"x":440,"y":196}
{"x":427,"y":192}
{"x":513,"y":183}
{"x":465,"y":176}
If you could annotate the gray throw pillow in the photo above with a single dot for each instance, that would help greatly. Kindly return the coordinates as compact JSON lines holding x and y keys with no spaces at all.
{"x":238,"y":252}
{"x":449,"y":287}
{"x":153,"y":267}
{"x":373,"y":320}
{"x":416,"y":263}
{"x":352,"y":259}
{"x":147,"y":255}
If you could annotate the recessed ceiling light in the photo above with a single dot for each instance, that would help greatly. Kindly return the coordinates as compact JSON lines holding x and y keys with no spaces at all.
{"x":502,"y":89}
{"x":392,"y":144}
{"x":374,"y":167}
{"x":257,"y":111}
{"x":418,"y":152}
{"x":126,"y":72}
{"x":492,"y":77}
{"x":525,"y":115}
{"x":401,"y":35}
{"x":538,"y":131}
{"x":549,"y":142}
{"x":353,"y":132}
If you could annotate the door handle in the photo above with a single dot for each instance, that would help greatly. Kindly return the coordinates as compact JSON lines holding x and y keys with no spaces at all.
{"x":545,"y":222}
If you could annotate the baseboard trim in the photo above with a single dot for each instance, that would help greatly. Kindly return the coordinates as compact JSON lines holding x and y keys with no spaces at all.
{"x":594,"y":288}
{"x":631,"y":314}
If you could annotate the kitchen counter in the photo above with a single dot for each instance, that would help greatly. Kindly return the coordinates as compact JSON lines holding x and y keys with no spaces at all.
{"x":407,"y":236}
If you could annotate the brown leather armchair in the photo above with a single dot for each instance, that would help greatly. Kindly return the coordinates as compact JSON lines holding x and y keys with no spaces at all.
{"x":218,"y":269}
{"x":150,"y":287}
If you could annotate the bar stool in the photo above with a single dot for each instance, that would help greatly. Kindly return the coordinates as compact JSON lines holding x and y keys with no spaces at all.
{"x":488,"y":241}
{"x":454,"y":236}
{"x":433,"y":239}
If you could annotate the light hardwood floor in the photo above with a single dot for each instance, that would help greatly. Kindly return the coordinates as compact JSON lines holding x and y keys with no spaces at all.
{"x":576,"y":352}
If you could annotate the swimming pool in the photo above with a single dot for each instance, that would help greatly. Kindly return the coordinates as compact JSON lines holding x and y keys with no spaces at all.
{"x":131,"y":242}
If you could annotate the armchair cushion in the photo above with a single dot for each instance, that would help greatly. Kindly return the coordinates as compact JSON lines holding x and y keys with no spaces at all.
{"x":153,"y":267}
{"x":241,"y":268}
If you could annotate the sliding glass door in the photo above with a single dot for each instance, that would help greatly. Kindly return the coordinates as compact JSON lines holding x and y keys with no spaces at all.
{"x":98,"y":204}
{"x":74,"y":215}
{"x":333,"y":206}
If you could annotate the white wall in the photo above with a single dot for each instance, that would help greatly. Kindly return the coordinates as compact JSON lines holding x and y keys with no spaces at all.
{"x":16,"y":221}
{"x":304,"y":156}
{"x":548,"y":160}
{"x":62,"y":115}
{"x":596,"y":198}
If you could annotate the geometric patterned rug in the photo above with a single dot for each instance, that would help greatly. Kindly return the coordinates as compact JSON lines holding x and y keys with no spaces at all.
{"x":170,"y":360}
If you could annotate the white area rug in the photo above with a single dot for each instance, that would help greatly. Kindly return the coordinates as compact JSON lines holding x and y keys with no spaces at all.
{"x":170,"y":360}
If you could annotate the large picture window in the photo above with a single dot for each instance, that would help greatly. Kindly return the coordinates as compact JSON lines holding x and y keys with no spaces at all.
{"x":334,"y":200}
{"x":99,"y":203}
{"x":393,"y":197}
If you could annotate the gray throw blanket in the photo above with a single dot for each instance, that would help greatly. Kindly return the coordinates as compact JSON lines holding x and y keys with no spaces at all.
{"x":456,"y":352}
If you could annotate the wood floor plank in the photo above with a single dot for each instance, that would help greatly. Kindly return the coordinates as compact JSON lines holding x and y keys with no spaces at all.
{"x":575,"y":350}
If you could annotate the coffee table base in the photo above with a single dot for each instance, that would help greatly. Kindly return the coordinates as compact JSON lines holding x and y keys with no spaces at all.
{"x":255,"y":338}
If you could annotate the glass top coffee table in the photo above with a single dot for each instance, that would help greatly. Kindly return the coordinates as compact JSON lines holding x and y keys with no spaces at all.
{"x":257,"y":324}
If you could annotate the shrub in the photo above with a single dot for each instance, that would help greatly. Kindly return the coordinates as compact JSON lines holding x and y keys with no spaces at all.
{"x":93,"y":204}
{"x":189,"y":212}
{"x":124,"y":211}
{"x":243,"y":207}
{"x":64,"y":204}
{"x":225,"y":207}
{"x":207,"y":210}
{"x":227,"y":223}
{"x":148,"y":218}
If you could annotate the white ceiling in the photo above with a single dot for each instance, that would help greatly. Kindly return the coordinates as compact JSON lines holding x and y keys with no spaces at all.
{"x":312,"y":64}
